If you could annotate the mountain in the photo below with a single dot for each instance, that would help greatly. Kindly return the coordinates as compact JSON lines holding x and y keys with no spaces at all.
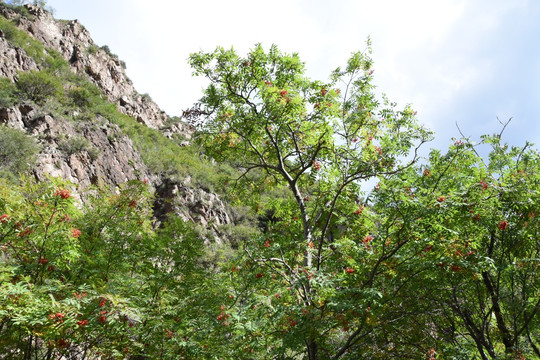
{"x":74,"y":99}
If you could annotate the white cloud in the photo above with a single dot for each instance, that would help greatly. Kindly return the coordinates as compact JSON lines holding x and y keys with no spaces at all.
{"x":429,"y":53}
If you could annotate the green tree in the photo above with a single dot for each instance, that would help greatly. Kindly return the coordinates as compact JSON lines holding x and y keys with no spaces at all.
{"x":468,"y":232}
{"x":318,"y":140}
{"x":95,"y":280}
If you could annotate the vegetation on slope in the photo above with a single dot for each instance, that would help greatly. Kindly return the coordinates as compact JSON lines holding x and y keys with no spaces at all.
{"x":57,"y":90}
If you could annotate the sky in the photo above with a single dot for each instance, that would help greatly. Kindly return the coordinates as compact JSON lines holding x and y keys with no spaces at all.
{"x":470,"y":62}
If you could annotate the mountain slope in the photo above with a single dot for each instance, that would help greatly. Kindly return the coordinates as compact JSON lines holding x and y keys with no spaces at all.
{"x":76,"y":100}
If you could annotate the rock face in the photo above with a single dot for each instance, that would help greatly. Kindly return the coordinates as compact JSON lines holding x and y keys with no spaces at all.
{"x":192,"y":204}
{"x":75,"y":44}
{"x":85,"y":151}
{"x":13,"y":59}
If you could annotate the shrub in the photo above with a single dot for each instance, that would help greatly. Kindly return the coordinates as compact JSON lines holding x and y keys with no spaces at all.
{"x":83,"y":96}
{"x":39,"y":86}
{"x":19,"y":9}
{"x":8,"y":93}
{"x":55,"y":62}
{"x":107,"y":50}
{"x":78,"y":144}
{"x":92,"y":49}
{"x":18,"y":152}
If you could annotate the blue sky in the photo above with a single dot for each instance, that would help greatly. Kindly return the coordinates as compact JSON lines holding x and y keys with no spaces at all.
{"x":465,"y":61}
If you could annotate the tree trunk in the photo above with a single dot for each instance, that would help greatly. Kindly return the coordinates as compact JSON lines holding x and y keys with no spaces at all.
{"x":312,"y":349}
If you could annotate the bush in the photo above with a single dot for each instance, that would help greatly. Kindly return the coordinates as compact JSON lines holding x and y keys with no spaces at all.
{"x":55,"y":62}
{"x":8,"y":93}
{"x":107,"y":50}
{"x":83,"y":96}
{"x":78,"y":144}
{"x":39,"y":86}
{"x":92,"y":49}
{"x":19,"y":9}
{"x":18,"y":152}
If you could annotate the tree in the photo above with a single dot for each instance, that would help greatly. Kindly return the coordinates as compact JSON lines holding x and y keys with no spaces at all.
{"x":319,"y":141}
{"x":97,"y":280}
{"x":469,"y":231}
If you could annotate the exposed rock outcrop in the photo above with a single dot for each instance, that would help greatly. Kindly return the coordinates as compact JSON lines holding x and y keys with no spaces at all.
{"x":13,"y":59}
{"x":85,"y":151}
{"x":192,"y":204}
{"x":75,"y":44}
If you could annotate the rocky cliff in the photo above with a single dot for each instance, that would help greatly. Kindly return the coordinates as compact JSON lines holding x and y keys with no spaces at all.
{"x":74,"y":42}
{"x":85,"y":147}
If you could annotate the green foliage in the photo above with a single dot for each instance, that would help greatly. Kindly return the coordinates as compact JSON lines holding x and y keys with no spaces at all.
{"x":440,"y":260}
{"x":92,"y":49}
{"x":18,"y":7}
{"x":20,"y":38}
{"x":78,"y":144}
{"x":84,"y":96}
{"x":465,"y":233}
{"x":55,"y":62}
{"x":18,"y":152}
{"x":39,"y":86}
{"x":305,"y":286}
{"x":8,"y":93}
{"x":81,"y":281}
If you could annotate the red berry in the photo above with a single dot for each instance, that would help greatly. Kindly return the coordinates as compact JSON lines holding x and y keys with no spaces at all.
{"x":484,"y":185}
{"x":503,"y":225}
{"x":62,"y":193}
